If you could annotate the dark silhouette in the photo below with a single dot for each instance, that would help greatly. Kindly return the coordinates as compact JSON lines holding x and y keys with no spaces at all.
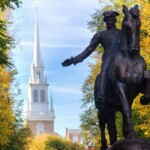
{"x":107,"y":38}
{"x":125,"y":75}
{"x":131,"y":144}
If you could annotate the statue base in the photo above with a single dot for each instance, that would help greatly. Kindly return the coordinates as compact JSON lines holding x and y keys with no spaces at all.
{"x":131,"y":144}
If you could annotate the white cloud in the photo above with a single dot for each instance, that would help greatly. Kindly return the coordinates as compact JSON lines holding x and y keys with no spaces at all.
{"x":26,"y":44}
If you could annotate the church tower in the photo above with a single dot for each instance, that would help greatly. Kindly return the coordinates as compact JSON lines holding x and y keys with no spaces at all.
{"x":40,"y":113}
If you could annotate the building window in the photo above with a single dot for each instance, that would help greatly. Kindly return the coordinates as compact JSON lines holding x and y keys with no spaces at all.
{"x":42,"y":96}
{"x":39,"y":128}
{"x":38,"y":76}
{"x":75,"y":138}
{"x":35,"y":96}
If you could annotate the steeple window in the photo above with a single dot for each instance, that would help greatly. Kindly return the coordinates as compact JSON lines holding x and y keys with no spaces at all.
{"x":38,"y":76}
{"x":42,"y":96}
{"x":35,"y":96}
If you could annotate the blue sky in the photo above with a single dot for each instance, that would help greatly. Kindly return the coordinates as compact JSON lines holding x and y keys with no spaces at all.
{"x":63,"y":33}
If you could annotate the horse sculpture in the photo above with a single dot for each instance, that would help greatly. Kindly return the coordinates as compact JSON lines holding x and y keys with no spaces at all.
{"x":126,"y":78}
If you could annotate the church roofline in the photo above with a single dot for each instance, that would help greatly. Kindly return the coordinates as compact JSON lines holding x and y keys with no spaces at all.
{"x":39,"y":84}
{"x":40,"y":119}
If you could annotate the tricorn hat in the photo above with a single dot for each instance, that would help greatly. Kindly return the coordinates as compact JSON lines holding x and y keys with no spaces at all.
{"x":110,"y":14}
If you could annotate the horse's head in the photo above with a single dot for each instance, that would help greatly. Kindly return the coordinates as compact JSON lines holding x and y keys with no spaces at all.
{"x":131,"y":30}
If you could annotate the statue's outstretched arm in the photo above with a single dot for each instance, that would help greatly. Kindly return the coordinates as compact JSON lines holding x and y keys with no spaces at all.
{"x":95,"y":41}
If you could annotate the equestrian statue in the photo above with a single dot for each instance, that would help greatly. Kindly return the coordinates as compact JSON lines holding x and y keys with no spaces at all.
{"x":123,"y":75}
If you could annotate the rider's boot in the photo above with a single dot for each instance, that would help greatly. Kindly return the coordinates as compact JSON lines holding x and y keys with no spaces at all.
{"x":100,"y":94}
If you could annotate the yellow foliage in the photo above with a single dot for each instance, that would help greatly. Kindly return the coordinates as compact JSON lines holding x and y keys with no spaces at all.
{"x":145,"y":41}
{"x":143,"y":113}
{"x":94,"y":69}
{"x":6,"y":112}
{"x":38,"y":142}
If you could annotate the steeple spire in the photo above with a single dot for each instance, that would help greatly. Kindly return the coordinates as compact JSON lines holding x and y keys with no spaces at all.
{"x":37,"y":54}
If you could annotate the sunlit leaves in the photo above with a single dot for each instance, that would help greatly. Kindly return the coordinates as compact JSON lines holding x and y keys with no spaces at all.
{"x":6,"y":113}
{"x":13,"y":135}
{"x":53,"y":142}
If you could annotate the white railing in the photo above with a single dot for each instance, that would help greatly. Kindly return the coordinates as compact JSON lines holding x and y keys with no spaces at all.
{"x":39,"y":115}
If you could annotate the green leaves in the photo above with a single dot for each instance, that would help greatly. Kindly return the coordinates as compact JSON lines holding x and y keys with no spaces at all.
{"x":5,"y":44}
{"x":10,"y":4}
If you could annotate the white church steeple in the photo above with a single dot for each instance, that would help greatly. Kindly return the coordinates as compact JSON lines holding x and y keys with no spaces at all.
{"x":37,"y":62}
{"x":37,"y":68}
{"x":38,"y":114}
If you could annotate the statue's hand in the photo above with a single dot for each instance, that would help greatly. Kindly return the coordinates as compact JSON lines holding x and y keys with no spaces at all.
{"x":67,"y":62}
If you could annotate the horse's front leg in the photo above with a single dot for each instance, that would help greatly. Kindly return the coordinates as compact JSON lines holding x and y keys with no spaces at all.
{"x":145,"y":99}
{"x":111,"y":125}
{"x":102,"y":123}
{"x":121,"y":89}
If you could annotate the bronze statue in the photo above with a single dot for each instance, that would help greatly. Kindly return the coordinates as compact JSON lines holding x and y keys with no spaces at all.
{"x":126,"y":76}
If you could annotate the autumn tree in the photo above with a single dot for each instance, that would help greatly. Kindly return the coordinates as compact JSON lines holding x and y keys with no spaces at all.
{"x":12,"y":132}
{"x":4,"y":4}
{"x":6,"y":112}
{"x":54,"y":142}
{"x":38,"y":142}
{"x":89,"y":120}
{"x":20,"y":136}
{"x":6,"y":41}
